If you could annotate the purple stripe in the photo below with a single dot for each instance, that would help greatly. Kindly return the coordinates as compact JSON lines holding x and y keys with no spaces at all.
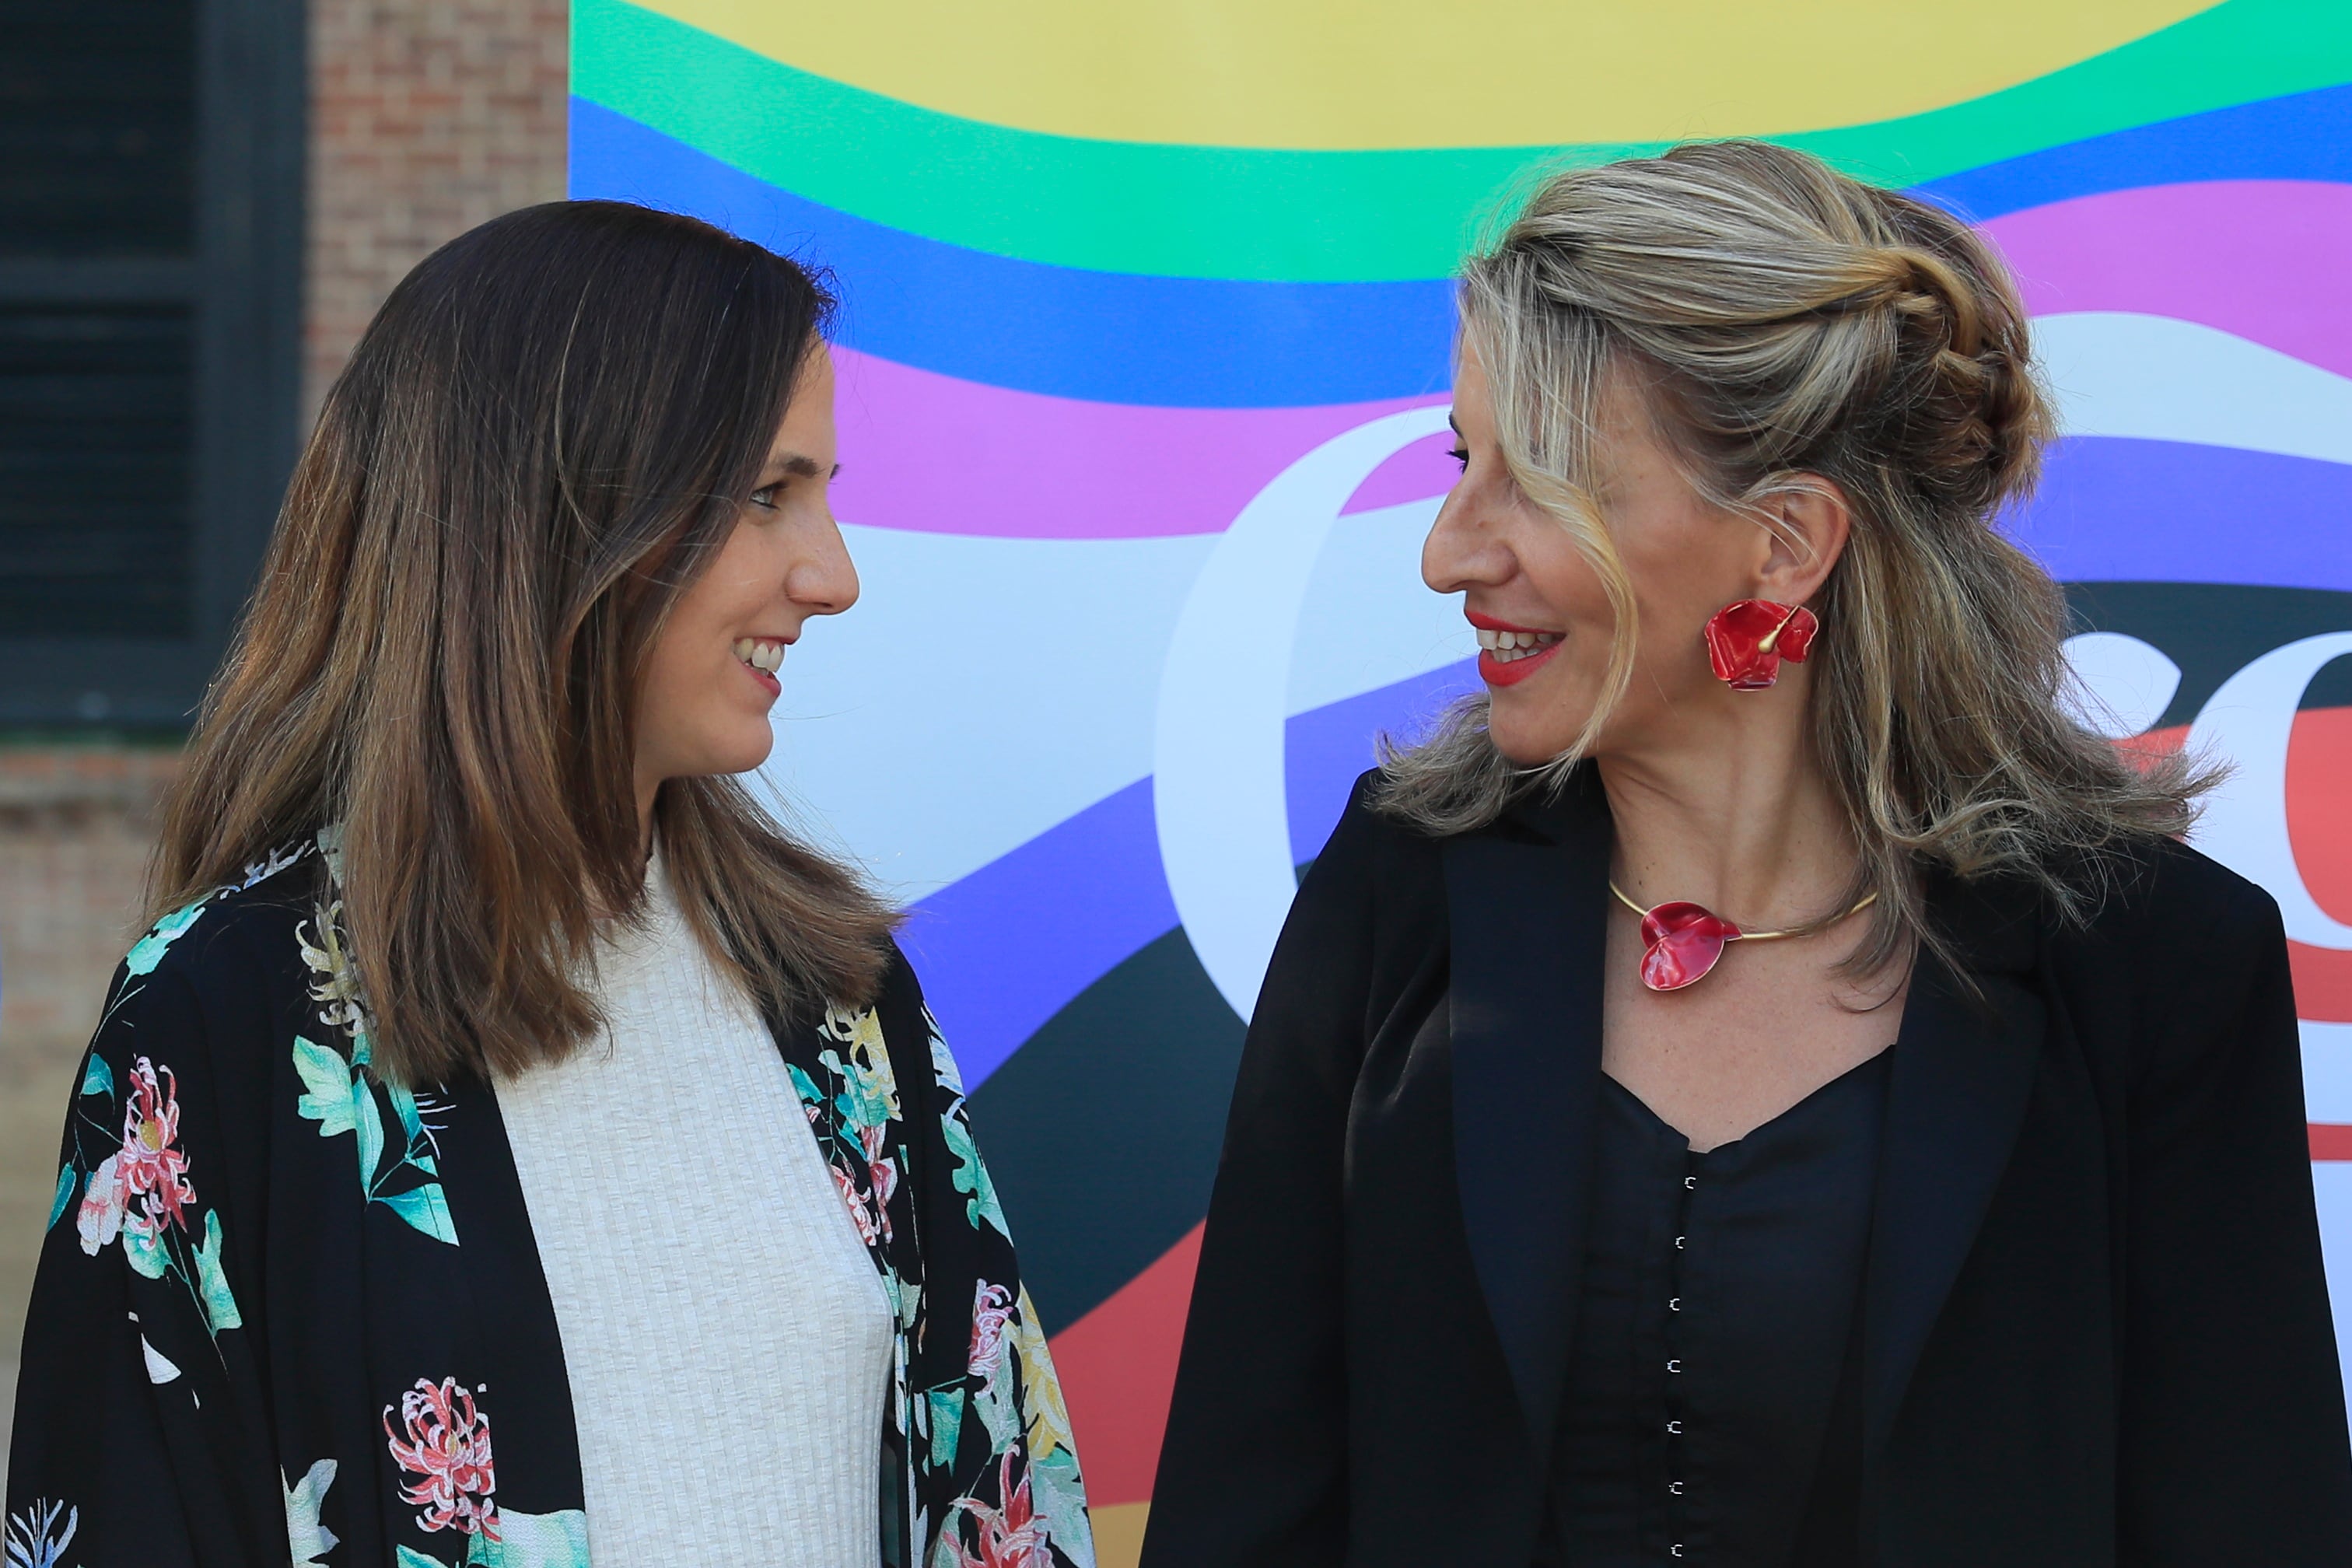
{"x":2245,"y":256}
{"x":2159,"y":511}
{"x":1323,"y":751}
{"x":1002,"y":951}
{"x":937,"y":455}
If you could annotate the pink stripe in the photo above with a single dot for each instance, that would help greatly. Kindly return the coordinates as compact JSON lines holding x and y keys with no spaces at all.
{"x":932,"y":453}
{"x":2256,"y":258}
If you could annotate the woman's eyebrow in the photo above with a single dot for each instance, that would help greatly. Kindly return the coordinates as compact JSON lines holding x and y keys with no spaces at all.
{"x":792,"y":466}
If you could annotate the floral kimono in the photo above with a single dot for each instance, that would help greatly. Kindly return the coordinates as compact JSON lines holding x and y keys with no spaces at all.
{"x":288,"y":1312}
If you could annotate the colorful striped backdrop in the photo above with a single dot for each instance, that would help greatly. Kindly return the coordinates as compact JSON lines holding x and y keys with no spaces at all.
{"x":1143,"y":359}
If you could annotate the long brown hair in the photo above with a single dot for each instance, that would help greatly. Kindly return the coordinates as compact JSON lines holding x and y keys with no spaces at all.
{"x":1783,"y":319}
{"x":540,"y":440}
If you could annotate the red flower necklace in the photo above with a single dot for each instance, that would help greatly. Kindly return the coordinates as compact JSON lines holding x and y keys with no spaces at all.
{"x":1682,"y":941}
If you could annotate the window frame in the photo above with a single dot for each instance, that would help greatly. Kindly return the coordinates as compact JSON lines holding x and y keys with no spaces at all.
{"x":243,"y":285}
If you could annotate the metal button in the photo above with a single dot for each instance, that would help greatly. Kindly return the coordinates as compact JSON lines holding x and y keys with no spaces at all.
{"x":1673,"y":1303}
{"x":1676,"y":1487}
{"x":1675,"y":1427}
{"x":1676,"y":1364}
{"x":1678,"y":1242}
{"x":1676,"y":1549}
{"x":1690,"y":1183}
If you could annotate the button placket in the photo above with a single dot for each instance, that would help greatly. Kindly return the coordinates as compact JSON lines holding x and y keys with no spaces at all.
{"x":1677,"y":1479}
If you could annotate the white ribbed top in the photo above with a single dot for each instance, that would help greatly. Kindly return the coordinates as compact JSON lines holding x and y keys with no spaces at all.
{"x":726,"y":1333}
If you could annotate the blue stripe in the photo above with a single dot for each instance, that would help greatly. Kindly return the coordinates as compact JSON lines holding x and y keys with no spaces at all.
{"x":1107,"y":337}
{"x":1216,"y":343}
{"x":2304,"y":136}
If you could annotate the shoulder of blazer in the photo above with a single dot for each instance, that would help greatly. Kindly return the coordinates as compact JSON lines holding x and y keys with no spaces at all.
{"x":2171,"y":964}
{"x":2166,"y":916}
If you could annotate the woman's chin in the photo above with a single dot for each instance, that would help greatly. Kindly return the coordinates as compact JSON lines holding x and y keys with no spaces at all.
{"x":1530,"y":746}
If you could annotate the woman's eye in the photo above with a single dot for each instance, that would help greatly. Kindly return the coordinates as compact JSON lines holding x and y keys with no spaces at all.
{"x":1462,"y":456}
{"x":766,"y":496}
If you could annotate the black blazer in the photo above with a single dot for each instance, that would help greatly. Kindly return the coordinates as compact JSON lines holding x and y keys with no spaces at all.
{"x":2095,"y":1327}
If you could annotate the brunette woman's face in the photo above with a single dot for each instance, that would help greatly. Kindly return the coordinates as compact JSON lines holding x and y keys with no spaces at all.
{"x":703,"y":708}
{"x":1526,"y":584}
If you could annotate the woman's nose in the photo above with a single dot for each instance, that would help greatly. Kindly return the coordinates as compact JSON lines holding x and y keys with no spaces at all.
{"x":1459,"y":553}
{"x":825,"y":580}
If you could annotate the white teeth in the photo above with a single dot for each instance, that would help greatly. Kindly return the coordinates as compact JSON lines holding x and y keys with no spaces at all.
{"x":760,"y":653}
{"x":1505,"y":647}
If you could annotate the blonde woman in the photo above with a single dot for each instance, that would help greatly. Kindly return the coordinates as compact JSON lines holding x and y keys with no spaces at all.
{"x":1761,"y":1087}
{"x":507,"y":1146}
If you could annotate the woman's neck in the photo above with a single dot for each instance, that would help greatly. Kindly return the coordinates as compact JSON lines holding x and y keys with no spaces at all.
{"x":1740,"y":820}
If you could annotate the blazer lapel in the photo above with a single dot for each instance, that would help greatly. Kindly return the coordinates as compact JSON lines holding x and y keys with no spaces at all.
{"x":1528,"y":929}
{"x":1962,"y":1073}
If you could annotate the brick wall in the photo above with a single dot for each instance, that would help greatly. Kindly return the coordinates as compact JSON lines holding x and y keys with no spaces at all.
{"x":428,"y":117}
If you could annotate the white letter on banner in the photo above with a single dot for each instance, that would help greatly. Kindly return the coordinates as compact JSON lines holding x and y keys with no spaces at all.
{"x":1217,"y":787}
{"x":2248,"y":722}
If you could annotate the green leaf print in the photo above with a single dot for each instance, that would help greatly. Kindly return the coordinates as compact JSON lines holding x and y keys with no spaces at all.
{"x":143,"y":1246}
{"x":330,"y":1088}
{"x":970,"y":1175}
{"x":403,"y":1105}
{"x":340,"y":1098}
{"x":148,"y":951}
{"x":558,"y":1539}
{"x":307,"y":1540}
{"x":97,"y":1078}
{"x":998,"y":1411}
{"x":947,"y":1424}
{"x":67,"y":1178}
{"x":409,"y":1557}
{"x":811,"y":1098}
{"x":426,"y":1209}
{"x":212,"y":1283}
{"x":1057,"y":1493}
{"x":370,"y":1131}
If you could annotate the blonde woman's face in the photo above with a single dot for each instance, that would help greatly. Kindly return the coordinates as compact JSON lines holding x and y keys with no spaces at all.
{"x":1527,"y":587}
{"x":711,"y":678}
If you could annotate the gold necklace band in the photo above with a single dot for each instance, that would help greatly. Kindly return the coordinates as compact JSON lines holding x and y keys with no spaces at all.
{"x":1747,"y":935}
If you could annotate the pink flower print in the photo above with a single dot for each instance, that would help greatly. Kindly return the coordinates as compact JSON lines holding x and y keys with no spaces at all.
{"x":882,"y":1172}
{"x":446,"y":1449}
{"x":992,"y":1308}
{"x":860,"y":1213}
{"x":1010,"y":1537}
{"x":100,"y":1219}
{"x":152,"y":1166}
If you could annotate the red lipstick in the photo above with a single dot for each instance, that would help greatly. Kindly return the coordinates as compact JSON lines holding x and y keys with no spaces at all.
{"x":1499,"y":672}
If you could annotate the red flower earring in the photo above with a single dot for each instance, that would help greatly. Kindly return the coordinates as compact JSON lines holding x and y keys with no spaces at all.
{"x":1747,"y":641}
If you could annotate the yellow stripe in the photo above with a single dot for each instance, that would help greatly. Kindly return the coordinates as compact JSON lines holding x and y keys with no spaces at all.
{"x":1119,"y":1534}
{"x":1404,"y":73}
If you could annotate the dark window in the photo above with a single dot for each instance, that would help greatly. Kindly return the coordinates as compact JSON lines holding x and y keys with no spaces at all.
{"x":150,"y":168}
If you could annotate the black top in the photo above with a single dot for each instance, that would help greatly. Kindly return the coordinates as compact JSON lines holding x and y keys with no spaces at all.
{"x":1718,"y":1297}
{"x":2095,"y":1329}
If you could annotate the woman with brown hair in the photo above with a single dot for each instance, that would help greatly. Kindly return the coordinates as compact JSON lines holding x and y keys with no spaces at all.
{"x":508,"y":1146}
{"x":1762,"y":1085}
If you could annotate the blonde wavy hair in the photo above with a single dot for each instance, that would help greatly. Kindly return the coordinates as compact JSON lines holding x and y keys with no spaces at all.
{"x":1783,"y":320}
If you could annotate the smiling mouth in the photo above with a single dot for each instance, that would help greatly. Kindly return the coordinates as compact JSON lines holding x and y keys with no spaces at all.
{"x":1509,"y":646}
{"x":765,"y":654}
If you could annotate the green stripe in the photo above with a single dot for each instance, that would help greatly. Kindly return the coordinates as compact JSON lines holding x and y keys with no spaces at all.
{"x":1329,"y":217}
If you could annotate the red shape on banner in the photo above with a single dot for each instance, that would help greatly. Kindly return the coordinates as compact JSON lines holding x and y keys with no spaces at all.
{"x":2330,"y":1140}
{"x":1118,"y":1367}
{"x":2319,"y":824}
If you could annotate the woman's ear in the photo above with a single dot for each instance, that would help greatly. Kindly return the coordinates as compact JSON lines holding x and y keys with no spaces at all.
{"x":1806,"y":525}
